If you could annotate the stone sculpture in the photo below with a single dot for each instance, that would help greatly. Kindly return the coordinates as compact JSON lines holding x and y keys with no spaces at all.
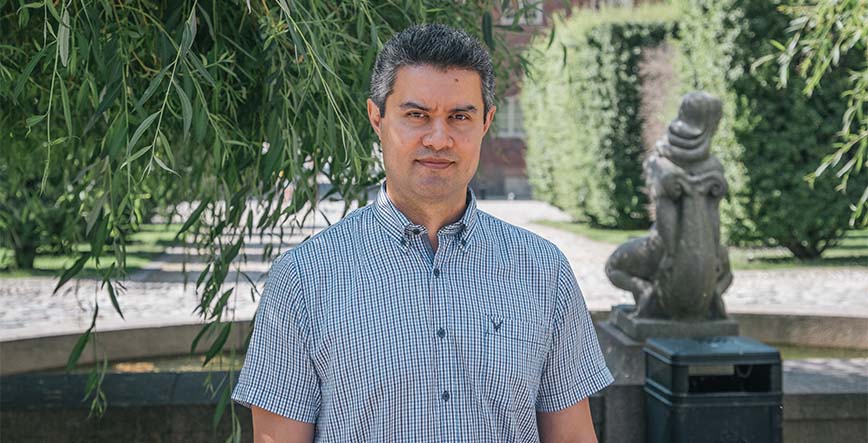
{"x":679,"y":271}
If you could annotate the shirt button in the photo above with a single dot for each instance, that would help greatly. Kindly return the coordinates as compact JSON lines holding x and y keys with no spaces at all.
{"x":416,"y":231}
{"x":445,"y":396}
{"x":441,"y":333}
{"x":436,"y":272}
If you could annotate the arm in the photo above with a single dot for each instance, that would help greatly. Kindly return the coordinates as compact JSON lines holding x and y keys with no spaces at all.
{"x":279,"y":382}
{"x":269,"y":427}
{"x":574,"y":369}
{"x":570,"y":425}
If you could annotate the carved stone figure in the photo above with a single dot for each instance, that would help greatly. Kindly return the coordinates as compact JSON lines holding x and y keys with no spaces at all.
{"x":680,"y":270}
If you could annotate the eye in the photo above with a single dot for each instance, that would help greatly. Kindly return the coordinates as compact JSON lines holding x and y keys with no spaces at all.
{"x":415,"y":114}
{"x":461,"y":117}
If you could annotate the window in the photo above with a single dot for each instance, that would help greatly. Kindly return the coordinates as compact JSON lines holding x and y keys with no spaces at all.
{"x":533,"y":13}
{"x":509,"y":119}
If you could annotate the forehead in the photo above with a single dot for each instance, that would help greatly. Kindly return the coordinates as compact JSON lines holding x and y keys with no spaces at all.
{"x":434,"y":86}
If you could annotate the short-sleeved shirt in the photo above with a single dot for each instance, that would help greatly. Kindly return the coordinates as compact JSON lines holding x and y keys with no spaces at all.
{"x":366,"y":331}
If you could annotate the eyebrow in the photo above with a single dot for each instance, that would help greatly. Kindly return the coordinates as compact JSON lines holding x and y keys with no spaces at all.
{"x":414,"y":105}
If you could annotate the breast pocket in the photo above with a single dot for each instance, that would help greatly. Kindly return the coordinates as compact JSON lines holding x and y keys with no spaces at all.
{"x":514,"y":351}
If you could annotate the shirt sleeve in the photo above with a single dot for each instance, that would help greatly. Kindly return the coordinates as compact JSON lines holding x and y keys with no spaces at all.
{"x":574,"y":368}
{"x":278,"y":374}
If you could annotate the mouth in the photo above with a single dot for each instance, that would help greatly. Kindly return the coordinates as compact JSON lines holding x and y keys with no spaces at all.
{"x":434,"y":163}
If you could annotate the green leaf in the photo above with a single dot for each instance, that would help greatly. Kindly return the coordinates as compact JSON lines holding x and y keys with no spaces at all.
{"x":194,"y":216}
{"x":487,"y":33}
{"x":28,"y":70}
{"x":64,"y":101}
{"x":34,"y":120}
{"x":186,"y":108}
{"x":34,"y":5}
{"x":200,"y":122}
{"x":75,"y":354}
{"x":63,"y":38}
{"x":146,"y":123}
{"x":94,"y":214}
{"x":81,"y":342}
{"x":228,"y":255}
{"x":552,"y":33}
{"x":200,"y":68}
{"x":164,"y":166}
{"x":221,"y":303}
{"x":135,"y":156}
{"x":217,"y":345}
{"x":113,"y":297}
{"x":113,"y":90}
{"x":203,"y":275}
{"x":152,"y":87}
{"x":98,"y":236}
{"x":72,"y":271}
{"x":221,"y":405}
{"x":199,"y":336}
{"x":52,"y":9}
{"x":188,"y":36}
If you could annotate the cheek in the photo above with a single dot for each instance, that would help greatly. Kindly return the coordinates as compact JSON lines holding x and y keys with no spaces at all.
{"x":403,"y":138}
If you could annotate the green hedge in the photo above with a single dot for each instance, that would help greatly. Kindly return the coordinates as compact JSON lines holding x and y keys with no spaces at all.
{"x":769,"y":138}
{"x":582,"y":113}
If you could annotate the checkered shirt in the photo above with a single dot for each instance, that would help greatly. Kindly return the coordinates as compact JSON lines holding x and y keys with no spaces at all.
{"x":365,"y":331}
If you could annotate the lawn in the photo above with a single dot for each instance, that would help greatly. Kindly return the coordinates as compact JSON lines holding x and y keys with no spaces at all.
{"x":852,"y":250}
{"x":142,"y":247}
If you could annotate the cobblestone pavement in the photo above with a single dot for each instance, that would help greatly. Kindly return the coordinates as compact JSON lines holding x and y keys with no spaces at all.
{"x":158,"y":296}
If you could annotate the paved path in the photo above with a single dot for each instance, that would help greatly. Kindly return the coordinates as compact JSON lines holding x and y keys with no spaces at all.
{"x":157,"y":295}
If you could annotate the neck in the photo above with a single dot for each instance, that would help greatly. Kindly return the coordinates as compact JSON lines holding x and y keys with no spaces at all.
{"x":433,"y":214}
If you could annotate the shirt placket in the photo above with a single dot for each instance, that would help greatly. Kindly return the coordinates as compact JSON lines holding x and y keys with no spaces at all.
{"x":440,"y":305}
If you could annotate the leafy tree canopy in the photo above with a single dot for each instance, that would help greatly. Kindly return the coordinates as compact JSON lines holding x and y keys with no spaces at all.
{"x":115,"y":109}
{"x":821,"y":34}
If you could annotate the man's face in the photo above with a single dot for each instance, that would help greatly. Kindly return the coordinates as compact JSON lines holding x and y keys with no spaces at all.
{"x":431,"y":132}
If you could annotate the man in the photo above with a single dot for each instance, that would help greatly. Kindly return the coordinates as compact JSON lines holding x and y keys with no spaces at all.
{"x":421,"y":318}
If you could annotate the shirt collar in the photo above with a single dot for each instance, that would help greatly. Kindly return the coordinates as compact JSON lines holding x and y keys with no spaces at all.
{"x":399,"y":227}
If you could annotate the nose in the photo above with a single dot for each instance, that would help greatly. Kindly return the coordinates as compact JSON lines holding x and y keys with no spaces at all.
{"x":438,"y":137}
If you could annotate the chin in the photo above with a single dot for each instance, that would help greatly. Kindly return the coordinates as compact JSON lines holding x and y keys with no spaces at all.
{"x":437,"y":188}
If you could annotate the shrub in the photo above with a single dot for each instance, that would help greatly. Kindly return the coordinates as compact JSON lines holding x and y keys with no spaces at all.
{"x":769,"y":138}
{"x":582,"y":113}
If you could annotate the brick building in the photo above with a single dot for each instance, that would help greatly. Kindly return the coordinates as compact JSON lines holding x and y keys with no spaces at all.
{"x":502,"y":172}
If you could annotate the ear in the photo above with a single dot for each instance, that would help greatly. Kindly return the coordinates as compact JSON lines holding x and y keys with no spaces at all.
{"x":374,"y":116}
{"x":488,"y":119}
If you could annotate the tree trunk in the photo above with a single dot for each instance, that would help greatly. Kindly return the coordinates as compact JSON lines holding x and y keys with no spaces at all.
{"x":804,"y":252}
{"x":24,"y":255}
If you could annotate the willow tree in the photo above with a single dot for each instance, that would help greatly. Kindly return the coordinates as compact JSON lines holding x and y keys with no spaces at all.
{"x":822,"y":33}
{"x":112,"y":108}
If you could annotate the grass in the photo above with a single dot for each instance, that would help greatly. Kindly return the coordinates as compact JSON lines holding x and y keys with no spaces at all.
{"x":142,"y":248}
{"x":852,"y":250}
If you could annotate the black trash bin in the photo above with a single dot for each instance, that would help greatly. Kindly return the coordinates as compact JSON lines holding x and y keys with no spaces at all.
{"x":718,"y":389}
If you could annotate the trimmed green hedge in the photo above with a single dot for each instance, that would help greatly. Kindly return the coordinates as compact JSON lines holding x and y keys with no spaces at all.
{"x":582,"y":113}
{"x":769,"y":138}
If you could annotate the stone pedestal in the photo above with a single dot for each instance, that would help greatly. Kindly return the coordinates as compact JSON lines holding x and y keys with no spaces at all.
{"x":623,"y":355}
{"x":640,"y":329}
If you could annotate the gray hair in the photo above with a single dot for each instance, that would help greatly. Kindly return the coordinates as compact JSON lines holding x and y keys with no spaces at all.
{"x":435,"y":45}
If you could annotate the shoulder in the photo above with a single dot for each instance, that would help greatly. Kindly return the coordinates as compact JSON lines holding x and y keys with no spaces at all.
{"x":335,"y":240}
{"x":518,"y":242}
